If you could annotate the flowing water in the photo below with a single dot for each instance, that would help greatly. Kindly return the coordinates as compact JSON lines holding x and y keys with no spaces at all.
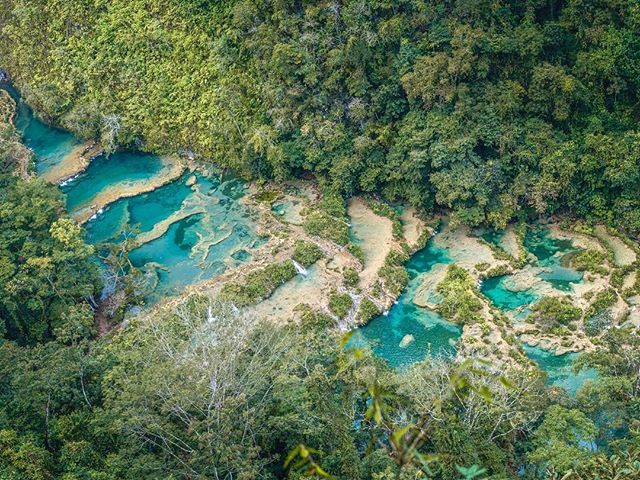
{"x":432,"y":334}
{"x":194,"y":228}
{"x":188,"y":230}
{"x":49,"y":144}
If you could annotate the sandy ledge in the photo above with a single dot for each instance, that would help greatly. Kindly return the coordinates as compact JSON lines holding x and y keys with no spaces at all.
{"x":622,"y":253}
{"x":376,"y":234}
{"x":74,"y":163}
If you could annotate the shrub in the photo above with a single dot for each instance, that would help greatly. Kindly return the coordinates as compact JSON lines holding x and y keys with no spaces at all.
{"x":325,"y":226}
{"x":393,"y":273}
{"x":367,"y":311}
{"x":351,"y":276}
{"x":550,"y":311}
{"x":356,"y":251}
{"x":306,"y":253}
{"x":497,"y":271}
{"x":259,"y":284}
{"x":340,"y":303}
{"x":604,"y":299}
{"x":460,"y":302}
{"x":267,"y":196}
{"x":329,"y":221}
{"x":590,"y":261}
{"x":481,"y":267}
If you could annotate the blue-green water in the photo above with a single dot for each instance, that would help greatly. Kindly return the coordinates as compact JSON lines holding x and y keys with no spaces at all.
{"x":50,"y":145}
{"x":432,"y":334}
{"x":206,"y":229}
{"x":503,"y":298}
{"x":144,"y":211}
{"x":211,"y":232}
{"x":216,"y":232}
{"x":106,"y":171}
{"x":559,"y":369}
{"x":551,"y":254}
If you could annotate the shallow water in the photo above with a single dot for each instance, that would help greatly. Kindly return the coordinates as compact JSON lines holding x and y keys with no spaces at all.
{"x":49,"y":144}
{"x":107,"y":171}
{"x":503,"y":298}
{"x":195,"y":225}
{"x":559,"y":369}
{"x":205,"y":230}
{"x":433,"y":335}
{"x":551,"y":254}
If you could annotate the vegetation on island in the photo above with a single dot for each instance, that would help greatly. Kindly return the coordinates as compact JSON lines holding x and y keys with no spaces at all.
{"x":460,"y":302}
{"x":258,"y":284}
{"x":306,"y":253}
{"x":552,"y":311}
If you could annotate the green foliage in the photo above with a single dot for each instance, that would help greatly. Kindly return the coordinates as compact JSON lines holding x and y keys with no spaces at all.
{"x":604,"y":299}
{"x":267,"y":196}
{"x":591,"y":261}
{"x":259,"y":284}
{"x":351,"y":277}
{"x":368,"y":310}
{"x":550,"y":311}
{"x":356,"y":251}
{"x":306,"y":253}
{"x":489,"y":111}
{"x":497,"y":271}
{"x":45,"y":266}
{"x":340,"y":303}
{"x":460,"y":302}
{"x":14,"y":156}
{"x":393,"y":273}
{"x":561,"y":441}
{"x":329,"y":220}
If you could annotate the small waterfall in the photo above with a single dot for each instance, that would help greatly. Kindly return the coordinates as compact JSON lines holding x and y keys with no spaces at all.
{"x":300,"y":269}
{"x":210,"y":317}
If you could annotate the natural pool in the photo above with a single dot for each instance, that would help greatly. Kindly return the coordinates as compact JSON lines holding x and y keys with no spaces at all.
{"x":111,"y":171}
{"x":190,"y":229}
{"x":552,"y":255}
{"x":195,"y":228}
{"x":431,"y":333}
{"x":49,"y":144}
{"x":559,"y":368}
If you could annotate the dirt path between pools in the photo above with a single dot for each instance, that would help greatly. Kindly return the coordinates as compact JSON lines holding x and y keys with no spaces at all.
{"x":622,"y":254}
{"x":376,"y":236}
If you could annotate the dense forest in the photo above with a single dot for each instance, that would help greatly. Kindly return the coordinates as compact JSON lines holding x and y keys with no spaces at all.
{"x":496,"y":109}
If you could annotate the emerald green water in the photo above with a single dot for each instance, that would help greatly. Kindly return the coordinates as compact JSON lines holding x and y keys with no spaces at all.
{"x":550,"y":254}
{"x":211,"y":232}
{"x":205,"y":229}
{"x":50,"y":145}
{"x":214,"y":232}
{"x":432,"y":334}
{"x":503,"y":298}
{"x":106,"y":171}
{"x":559,"y":369}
